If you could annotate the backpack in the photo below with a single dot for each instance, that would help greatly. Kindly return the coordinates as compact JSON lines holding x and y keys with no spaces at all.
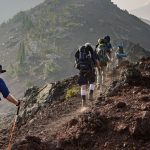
{"x":120,"y":49}
{"x":102,"y":54}
{"x":85,"y":62}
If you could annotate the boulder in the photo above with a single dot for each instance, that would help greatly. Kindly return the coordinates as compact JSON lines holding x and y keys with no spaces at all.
{"x":145,"y":98}
{"x":121,"y":105}
{"x":141,"y":127}
{"x":131,"y":74}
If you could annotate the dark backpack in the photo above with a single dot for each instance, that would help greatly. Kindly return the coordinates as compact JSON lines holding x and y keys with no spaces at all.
{"x":85,"y":62}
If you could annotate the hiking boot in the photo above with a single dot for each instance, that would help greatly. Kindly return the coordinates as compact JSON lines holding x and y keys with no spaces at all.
{"x":91,"y":95}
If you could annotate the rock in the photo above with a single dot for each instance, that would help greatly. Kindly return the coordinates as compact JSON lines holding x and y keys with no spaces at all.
{"x":145,"y":98}
{"x":101,"y":98}
{"x":33,"y":139}
{"x":131,"y":74}
{"x":44,"y":93}
{"x":145,"y":107}
{"x":141,"y":127}
{"x":4,"y":131}
{"x":31,"y":91}
{"x":72,"y":122}
{"x":121,"y":127}
{"x":100,"y":101}
{"x":121,"y":105}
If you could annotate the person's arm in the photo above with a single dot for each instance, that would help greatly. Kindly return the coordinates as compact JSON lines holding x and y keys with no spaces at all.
{"x":94,"y":57}
{"x":109,"y":55}
{"x":6,"y":94}
{"x":109,"y":52}
{"x":12,"y":99}
{"x":76,"y":59}
{"x":77,"y":56}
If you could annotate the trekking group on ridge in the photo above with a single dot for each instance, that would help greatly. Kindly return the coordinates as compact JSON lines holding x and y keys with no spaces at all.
{"x":93,"y":65}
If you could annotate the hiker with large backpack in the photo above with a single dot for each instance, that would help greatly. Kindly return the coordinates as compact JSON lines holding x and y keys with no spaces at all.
{"x":85,"y":63}
{"x":5,"y":91}
{"x":104,"y":56}
{"x":109,"y":47}
{"x":120,"y":55}
{"x":108,"y":43}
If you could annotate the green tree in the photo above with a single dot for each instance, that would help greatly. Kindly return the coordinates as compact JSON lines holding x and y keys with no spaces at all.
{"x":21,"y":59}
{"x":25,"y":20}
{"x":21,"y":54}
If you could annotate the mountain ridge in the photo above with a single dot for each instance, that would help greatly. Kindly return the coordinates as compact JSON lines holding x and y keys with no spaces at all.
{"x":48,"y":35}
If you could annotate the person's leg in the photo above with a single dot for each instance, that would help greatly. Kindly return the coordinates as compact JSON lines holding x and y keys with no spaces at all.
{"x":83,"y":94}
{"x":91,"y":92}
{"x":98,"y":78}
{"x":104,"y":68}
{"x":92,"y":85}
{"x":83,"y":82}
{"x":101,"y":75}
{"x":108,"y":67}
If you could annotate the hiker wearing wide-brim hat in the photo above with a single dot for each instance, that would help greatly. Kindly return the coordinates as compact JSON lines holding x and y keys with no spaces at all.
{"x":5,"y":91}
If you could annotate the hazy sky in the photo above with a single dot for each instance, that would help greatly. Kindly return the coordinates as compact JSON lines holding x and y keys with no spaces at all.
{"x":130,"y":4}
{"x":8,"y":8}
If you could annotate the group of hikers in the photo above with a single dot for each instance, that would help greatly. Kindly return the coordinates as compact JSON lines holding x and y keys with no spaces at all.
{"x":93,"y":64}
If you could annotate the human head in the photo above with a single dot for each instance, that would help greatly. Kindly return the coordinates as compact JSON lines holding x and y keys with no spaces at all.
{"x":87,"y":44}
{"x":107,"y":38}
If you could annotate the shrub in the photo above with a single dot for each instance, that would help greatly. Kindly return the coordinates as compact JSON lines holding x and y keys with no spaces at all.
{"x":72,"y":92}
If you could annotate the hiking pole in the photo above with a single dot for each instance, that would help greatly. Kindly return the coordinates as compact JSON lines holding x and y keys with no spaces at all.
{"x":13,"y":128}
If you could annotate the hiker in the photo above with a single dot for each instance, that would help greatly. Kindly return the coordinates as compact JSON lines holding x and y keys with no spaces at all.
{"x":120,"y":54}
{"x":85,"y":63}
{"x":104,"y":56}
{"x":108,"y":43}
{"x":5,"y":91}
{"x":109,"y":47}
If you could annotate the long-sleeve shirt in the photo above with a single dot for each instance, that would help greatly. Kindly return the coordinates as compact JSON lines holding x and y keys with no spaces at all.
{"x":3,"y":88}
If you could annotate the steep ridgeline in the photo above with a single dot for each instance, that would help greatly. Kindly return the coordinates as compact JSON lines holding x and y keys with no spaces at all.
{"x":146,"y":21}
{"x":41,"y":41}
{"x":51,"y":117}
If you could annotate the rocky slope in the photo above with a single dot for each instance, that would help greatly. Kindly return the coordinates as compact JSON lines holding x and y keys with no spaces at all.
{"x":51,"y":117}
